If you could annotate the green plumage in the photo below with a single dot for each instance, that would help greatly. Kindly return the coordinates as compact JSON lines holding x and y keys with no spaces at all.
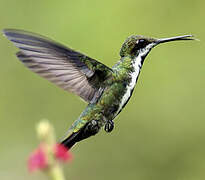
{"x":107,"y":90}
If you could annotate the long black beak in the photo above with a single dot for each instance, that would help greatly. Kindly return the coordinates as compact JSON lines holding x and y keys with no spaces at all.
{"x":177,"y":38}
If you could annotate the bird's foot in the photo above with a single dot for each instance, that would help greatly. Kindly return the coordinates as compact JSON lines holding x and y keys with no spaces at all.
{"x":109,"y":126}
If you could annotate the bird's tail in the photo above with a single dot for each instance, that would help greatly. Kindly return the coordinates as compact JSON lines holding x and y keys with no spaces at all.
{"x":73,"y":138}
{"x":81,"y":134}
{"x":70,"y":140}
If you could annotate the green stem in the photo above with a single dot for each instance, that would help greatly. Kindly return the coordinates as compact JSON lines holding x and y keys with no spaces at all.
{"x":56,"y":173}
{"x":47,"y":137}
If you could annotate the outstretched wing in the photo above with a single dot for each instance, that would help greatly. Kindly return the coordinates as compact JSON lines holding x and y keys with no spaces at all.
{"x":63,"y":66}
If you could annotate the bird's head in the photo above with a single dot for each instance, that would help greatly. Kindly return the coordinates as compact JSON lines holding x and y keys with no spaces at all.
{"x":140,"y":45}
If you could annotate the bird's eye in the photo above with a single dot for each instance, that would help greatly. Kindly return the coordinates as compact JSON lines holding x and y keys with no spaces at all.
{"x":141,"y":41}
{"x":140,"y":44}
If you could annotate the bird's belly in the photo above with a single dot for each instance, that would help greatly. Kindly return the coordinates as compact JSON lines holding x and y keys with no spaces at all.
{"x":125,"y":98}
{"x":114,"y":99}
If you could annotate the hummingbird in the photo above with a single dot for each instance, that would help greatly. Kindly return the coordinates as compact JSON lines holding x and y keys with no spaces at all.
{"x":106,"y":90}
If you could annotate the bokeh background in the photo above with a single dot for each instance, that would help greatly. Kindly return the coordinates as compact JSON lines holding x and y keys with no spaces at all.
{"x":161,"y":132}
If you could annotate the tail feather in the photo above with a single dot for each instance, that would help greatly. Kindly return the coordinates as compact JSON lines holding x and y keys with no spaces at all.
{"x":73,"y":138}
{"x":70,"y":141}
{"x":85,"y":132}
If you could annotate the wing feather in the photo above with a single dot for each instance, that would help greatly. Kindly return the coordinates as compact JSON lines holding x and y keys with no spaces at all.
{"x":63,"y":66}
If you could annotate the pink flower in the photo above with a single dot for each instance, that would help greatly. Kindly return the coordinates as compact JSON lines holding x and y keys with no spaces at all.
{"x":37,"y":160}
{"x":62,"y":153}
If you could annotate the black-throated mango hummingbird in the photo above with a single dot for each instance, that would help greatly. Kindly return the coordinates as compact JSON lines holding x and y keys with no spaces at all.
{"x":106,"y":90}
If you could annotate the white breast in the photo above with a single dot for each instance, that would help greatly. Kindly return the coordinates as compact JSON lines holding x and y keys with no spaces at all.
{"x":137,"y":64}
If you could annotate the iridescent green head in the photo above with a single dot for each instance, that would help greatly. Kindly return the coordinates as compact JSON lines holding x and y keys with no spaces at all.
{"x":135,"y":45}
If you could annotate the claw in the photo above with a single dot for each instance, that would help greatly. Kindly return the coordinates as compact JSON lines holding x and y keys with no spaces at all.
{"x":109,"y":126}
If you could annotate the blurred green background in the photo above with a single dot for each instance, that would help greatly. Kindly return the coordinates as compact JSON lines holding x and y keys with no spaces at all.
{"x":161,"y":132}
